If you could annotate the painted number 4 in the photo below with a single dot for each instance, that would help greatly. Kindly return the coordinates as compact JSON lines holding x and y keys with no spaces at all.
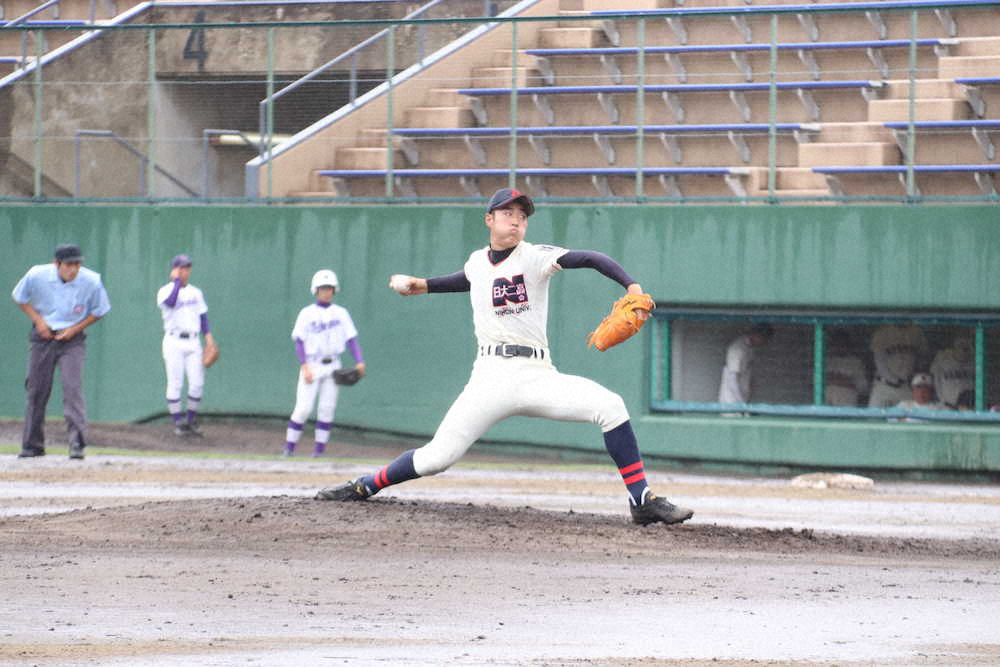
{"x":194,"y":47}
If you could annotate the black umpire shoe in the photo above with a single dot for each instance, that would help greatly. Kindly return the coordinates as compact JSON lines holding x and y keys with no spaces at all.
{"x":76,"y":451}
{"x":659,"y":510}
{"x":30,"y":452}
{"x":353,"y":490}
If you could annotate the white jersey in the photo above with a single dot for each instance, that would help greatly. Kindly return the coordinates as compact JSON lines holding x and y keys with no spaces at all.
{"x":510,"y":300}
{"x":897,"y":350}
{"x":952,"y":375}
{"x":324,"y":331}
{"x":185,"y":315}
{"x":846,"y":380}
{"x":735,"y":384}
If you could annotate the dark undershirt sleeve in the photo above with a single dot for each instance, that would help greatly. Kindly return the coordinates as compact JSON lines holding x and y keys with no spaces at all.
{"x":454,"y":282}
{"x":589,"y":259}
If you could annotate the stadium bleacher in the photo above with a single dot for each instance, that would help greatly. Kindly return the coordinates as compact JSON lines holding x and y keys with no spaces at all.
{"x":578,"y":88}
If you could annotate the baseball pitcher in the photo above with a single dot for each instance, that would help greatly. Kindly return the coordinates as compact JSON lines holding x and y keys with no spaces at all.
{"x":508,"y":284}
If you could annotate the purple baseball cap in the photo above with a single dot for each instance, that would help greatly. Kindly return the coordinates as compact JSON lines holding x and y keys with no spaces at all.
{"x":505,"y":196}
{"x":181,"y":260}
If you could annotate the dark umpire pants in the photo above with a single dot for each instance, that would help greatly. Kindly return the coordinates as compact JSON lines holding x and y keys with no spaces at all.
{"x":45,"y":356}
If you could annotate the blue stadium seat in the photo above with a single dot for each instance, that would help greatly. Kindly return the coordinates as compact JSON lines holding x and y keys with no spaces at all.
{"x":668,"y":176}
{"x":980,"y":130}
{"x":975,"y":96}
{"x":670,"y":93}
{"x":980,"y":172}
{"x":667,"y":134}
{"x":738,"y":53}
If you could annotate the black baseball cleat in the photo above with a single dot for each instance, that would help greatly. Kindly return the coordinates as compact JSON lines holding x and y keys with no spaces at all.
{"x":659,"y":510}
{"x":76,"y":451}
{"x":353,"y":490}
{"x":31,"y":452}
{"x":182,"y":431}
{"x":194,"y":430}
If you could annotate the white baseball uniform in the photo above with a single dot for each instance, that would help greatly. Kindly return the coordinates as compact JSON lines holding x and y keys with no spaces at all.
{"x":735,"y":384}
{"x":182,"y":343}
{"x":897,"y":350}
{"x":954,"y":371}
{"x":510,"y":308}
{"x":324,"y":332}
{"x":846,"y":380}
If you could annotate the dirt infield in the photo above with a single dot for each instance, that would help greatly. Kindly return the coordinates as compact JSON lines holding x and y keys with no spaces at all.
{"x":217,"y":555}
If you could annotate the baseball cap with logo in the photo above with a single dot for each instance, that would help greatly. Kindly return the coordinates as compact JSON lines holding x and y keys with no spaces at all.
{"x":181,"y":260}
{"x":505,"y":196}
{"x":68,"y":252}
{"x":922,"y":380}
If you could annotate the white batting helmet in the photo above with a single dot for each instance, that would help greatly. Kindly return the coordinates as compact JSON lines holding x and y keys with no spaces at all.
{"x":324,"y":277}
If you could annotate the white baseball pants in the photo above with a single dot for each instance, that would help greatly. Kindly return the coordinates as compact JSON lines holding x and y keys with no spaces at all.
{"x":518,"y":386}
{"x":322,"y":388}
{"x":183,"y":356}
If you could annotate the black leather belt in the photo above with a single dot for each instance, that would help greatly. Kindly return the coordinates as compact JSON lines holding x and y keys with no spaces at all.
{"x":184,"y":335}
{"x":326,"y":360}
{"x":510,"y":350}
{"x":894,"y":385}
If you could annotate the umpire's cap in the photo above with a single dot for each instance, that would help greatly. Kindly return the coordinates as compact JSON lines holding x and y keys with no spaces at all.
{"x":181,"y":261}
{"x":68,"y":252}
{"x":505,"y":196}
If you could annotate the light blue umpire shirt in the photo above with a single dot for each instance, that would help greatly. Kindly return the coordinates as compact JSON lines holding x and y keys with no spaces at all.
{"x":62,"y":304}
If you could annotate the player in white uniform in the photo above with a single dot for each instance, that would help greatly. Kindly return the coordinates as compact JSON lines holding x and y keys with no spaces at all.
{"x":735,"y":385}
{"x":508,"y":284}
{"x":185,"y":320}
{"x":323,"y":330}
{"x":921,"y":397}
{"x":898,"y":352}
{"x":846,"y":376}
{"x":954,"y":370}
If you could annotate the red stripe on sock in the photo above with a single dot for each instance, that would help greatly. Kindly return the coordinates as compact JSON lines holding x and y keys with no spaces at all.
{"x":631,"y":468}
{"x":381,"y":479}
{"x":635,"y":478}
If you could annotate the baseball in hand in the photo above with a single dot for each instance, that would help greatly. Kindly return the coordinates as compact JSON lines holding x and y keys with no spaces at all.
{"x":400,"y":283}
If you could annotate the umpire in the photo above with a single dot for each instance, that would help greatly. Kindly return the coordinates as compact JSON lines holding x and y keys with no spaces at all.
{"x":61,"y":299}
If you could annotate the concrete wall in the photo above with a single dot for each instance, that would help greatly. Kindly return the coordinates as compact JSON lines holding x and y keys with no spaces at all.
{"x":254,"y":264}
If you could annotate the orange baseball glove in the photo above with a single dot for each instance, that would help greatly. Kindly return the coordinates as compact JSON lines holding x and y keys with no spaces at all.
{"x":210,"y":354}
{"x":623,"y":322}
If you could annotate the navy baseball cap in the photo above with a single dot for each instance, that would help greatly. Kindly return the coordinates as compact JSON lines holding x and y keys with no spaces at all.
{"x":69,"y":252}
{"x":505,"y":196}
{"x":181,"y":260}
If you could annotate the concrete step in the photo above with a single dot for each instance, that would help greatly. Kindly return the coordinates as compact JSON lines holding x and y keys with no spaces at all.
{"x":875,"y":154}
{"x":978,"y":46}
{"x":446,"y":97}
{"x":839,"y":133}
{"x":500,"y":77}
{"x":366,"y":158}
{"x":439,"y":117}
{"x":926,"y":109}
{"x":317,"y":194}
{"x":610,"y":5}
{"x":954,"y":67}
{"x":935,"y":88}
{"x":799,"y":178}
{"x":570,"y":38}
{"x":501,"y":58}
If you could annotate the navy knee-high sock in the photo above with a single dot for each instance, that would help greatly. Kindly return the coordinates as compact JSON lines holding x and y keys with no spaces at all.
{"x":624,"y":449}
{"x":400,"y":470}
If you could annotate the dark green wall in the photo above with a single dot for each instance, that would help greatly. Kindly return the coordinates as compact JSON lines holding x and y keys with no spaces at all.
{"x":254,"y":264}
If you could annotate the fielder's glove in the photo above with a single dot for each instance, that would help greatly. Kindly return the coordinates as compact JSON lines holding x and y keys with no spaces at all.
{"x":210,"y":354}
{"x":346,"y":376}
{"x":623,"y":322}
